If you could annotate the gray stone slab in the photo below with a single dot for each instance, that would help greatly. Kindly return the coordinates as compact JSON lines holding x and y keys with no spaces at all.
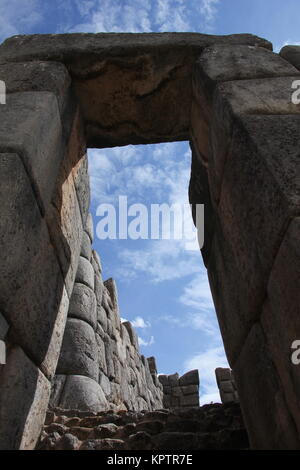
{"x":83,"y":393}
{"x":30,"y":125}
{"x":190,"y":378}
{"x":24,"y":396}
{"x":86,"y":247}
{"x":85,"y":273}
{"x":37,"y":76}
{"x":79,"y":350}
{"x":4,"y":326}
{"x":83,"y":304}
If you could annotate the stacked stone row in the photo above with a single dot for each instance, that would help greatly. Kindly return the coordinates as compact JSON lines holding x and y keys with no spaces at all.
{"x":100,"y":366}
{"x":209,"y":427}
{"x":226,"y":384}
{"x":181,"y":391}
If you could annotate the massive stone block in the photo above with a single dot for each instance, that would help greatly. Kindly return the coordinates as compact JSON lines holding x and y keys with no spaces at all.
{"x":83,"y":393}
{"x":32,"y":291}
{"x":280,"y":317}
{"x":30,"y":125}
{"x":83,"y":304}
{"x":265,"y":407}
{"x":64,"y":215}
{"x":79,"y":350}
{"x":154,"y":71}
{"x":24,"y":397}
{"x":37,"y":76}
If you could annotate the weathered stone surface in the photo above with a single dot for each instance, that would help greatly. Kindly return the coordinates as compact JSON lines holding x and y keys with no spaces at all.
{"x":4,"y":326}
{"x":22,"y":383}
{"x":261,"y":413}
{"x":86,"y":247}
{"x":240,"y":62}
{"x":85,"y":273}
{"x":280,"y":317}
{"x":57,"y":385}
{"x":83,"y":304}
{"x":190,"y":389}
{"x":67,"y":442}
{"x":223,"y":373}
{"x":79,"y":350}
{"x":104,"y":384}
{"x":89,"y":227}
{"x":254,"y":168}
{"x":132,"y":334}
{"x":264,"y":96}
{"x":211,"y":427}
{"x":97,"y":260}
{"x":292,"y":55}
{"x":190,"y":378}
{"x":37,"y":76}
{"x":170,"y":55}
{"x":199,"y":193}
{"x":102,"y":362}
{"x":152,"y":365}
{"x":83,"y":393}
{"x":29,"y":267}
{"x":24,"y":117}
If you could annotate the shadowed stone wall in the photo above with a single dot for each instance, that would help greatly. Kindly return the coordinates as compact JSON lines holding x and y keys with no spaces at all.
{"x":231,"y":97}
{"x":180,"y":391}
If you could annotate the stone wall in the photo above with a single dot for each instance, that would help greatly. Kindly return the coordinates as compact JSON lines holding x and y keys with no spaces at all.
{"x":226,"y":385}
{"x":231,"y":97}
{"x":180,"y":391}
{"x":100,"y":366}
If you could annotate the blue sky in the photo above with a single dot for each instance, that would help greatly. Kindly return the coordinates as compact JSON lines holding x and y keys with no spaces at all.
{"x":163,"y":288}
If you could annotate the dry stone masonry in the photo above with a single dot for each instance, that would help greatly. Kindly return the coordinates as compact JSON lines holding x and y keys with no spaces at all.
{"x":180,"y":391}
{"x":210,"y":427}
{"x":99,"y":366}
{"x":226,"y":385}
{"x":230,"y":96}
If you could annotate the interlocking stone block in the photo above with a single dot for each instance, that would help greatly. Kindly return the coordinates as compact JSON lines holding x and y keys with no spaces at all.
{"x":79,"y":350}
{"x":22,"y":383}
{"x":30,"y":125}
{"x":85,"y":273}
{"x":83,"y":304}
{"x":83,"y":393}
{"x":265,"y":407}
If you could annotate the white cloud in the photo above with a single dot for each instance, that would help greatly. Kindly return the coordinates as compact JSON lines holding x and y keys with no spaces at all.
{"x":18,"y":17}
{"x":139,"y":322}
{"x":206,"y":362}
{"x":145,"y":15}
{"x":143,"y":342}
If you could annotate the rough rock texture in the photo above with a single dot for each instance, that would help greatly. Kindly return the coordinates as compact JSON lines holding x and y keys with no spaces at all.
{"x":227,"y":386}
{"x":100,"y":366}
{"x":231,"y":97}
{"x":154,"y":69}
{"x":211,"y":427}
{"x":180,"y":391}
{"x":245,"y":168}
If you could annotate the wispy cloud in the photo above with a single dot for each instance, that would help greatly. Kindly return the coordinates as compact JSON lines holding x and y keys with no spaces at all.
{"x":208,"y":10}
{"x":143,"y":342}
{"x":18,"y":17}
{"x":139,"y":322}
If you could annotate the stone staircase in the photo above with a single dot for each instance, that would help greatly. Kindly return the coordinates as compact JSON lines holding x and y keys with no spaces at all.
{"x":210,"y":427}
